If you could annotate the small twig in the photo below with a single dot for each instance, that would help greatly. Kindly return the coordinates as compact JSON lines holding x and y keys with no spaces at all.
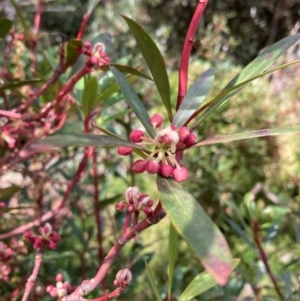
{"x":187,"y":49}
{"x":32,"y":278}
{"x":83,"y":25}
{"x":264,"y":259}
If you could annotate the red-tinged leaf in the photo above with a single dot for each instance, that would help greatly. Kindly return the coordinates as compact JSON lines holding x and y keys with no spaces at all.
{"x":258,"y":66}
{"x":80,"y":139}
{"x":89,"y":94}
{"x":248,"y":135}
{"x":202,"y":283}
{"x":5,"y":26}
{"x":133,"y":100}
{"x":126,"y":69}
{"x":194,"y":225}
{"x":154,"y":61}
{"x":72,"y":52}
{"x":194,"y":97}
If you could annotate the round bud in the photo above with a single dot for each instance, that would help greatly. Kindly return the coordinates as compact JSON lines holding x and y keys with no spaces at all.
{"x":87,"y":44}
{"x":138,"y":166}
{"x":180,"y":174}
{"x":136,"y":136}
{"x":93,"y":60}
{"x":190,"y":140}
{"x":147,"y":210}
{"x":124,"y":150}
{"x":156,"y":120}
{"x":152,"y":167}
{"x":120,"y":206}
{"x":184,"y":132}
{"x":59,"y":278}
{"x":166,"y":170}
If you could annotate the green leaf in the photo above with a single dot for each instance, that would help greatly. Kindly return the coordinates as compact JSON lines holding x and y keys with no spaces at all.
{"x":72,"y":52}
{"x":18,"y":84}
{"x":5,"y":26}
{"x":248,"y":135}
{"x":134,"y":101}
{"x":91,"y":6}
{"x":7,"y":192}
{"x":80,"y":139}
{"x":194,"y":225}
{"x":194,"y":97}
{"x":201,"y":283}
{"x":154,"y":61}
{"x":89,"y":94}
{"x":20,"y":16}
{"x":152,"y":281}
{"x":173,"y":253}
{"x":126,"y":69}
{"x":256,"y":67}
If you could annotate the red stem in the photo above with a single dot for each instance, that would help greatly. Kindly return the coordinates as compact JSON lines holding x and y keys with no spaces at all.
{"x":32,"y":278}
{"x":83,"y":25}
{"x":264,"y":259}
{"x":186,"y":51}
{"x":89,"y":285}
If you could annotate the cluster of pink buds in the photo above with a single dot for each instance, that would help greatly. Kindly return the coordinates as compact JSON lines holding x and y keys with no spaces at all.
{"x":61,"y":289}
{"x":136,"y":201}
{"x":97,"y":54}
{"x":123,"y":278}
{"x":5,"y":252}
{"x":166,"y":143}
{"x":5,"y":256}
{"x":47,"y":237}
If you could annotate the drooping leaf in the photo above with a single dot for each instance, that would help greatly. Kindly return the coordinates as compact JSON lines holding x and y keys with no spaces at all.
{"x":194,"y":97}
{"x":154,"y":61}
{"x":89,"y":94}
{"x":202,"y":283}
{"x":5,"y":26}
{"x":17,"y":84}
{"x":72,"y":52}
{"x":7,"y":192}
{"x":80,"y":139}
{"x":261,"y":63}
{"x":194,"y":225}
{"x":173,"y":253}
{"x":248,"y":135}
{"x":152,"y":281}
{"x":91,"y":6}
{"x":133,"y":100}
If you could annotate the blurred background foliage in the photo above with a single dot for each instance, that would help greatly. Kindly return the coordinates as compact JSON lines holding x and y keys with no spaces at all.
{"x":235,"y":182}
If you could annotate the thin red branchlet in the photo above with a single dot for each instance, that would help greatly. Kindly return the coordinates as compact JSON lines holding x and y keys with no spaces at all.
{"x":46,"y":238}
{"x":164,"y":146}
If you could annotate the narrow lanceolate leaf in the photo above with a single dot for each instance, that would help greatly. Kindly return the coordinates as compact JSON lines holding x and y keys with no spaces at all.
{"x":17,"y":84}
{"x":256,"y":67}
{"x":173,"y":253}
{"x":194,"y":97}
{"x":193,"y":224}
{"x":154,"y":61}
{"x":201,"y":283}
{"x":80,"y":139}
{"x":5,"y":26}
{"x":133,"y":100}
{"x":8,"y":192}
{"x":152,"y":281}
{"x":72,"y":52}
{"x":91,"y":6}
{"x":248,"y":135}
{"x":89,"y":95}
{"x":126,"y":69}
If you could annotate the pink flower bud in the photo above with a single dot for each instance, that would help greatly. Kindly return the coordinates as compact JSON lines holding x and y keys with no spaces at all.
{"x":166,"y":170}
{"x":59,"y":278}
{"x":124,"y":276}
{"x":152,"y":167}
{"x":38,"y":243}
{"x":156,"y":120}
{"x":180,"y":174}
{"x":147,"y":210}
{"x":184,"y":132}
{"x":136,"y":136}
{"x":131,"y":208}
{"x":87,"y":44}
{"x":124,"y":150}
{"x":150,"y":203}
{"x":93,"y":60}
{"x":190,"y":140}
{"x":54,"y":236}
{"x":52,"y":245}
{"x":120,"y":206}
{"x":138,"y":166}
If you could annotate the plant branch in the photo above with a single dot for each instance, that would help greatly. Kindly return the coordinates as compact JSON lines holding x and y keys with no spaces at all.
{"x":186,"y":51}
{"x":264,"y":259}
